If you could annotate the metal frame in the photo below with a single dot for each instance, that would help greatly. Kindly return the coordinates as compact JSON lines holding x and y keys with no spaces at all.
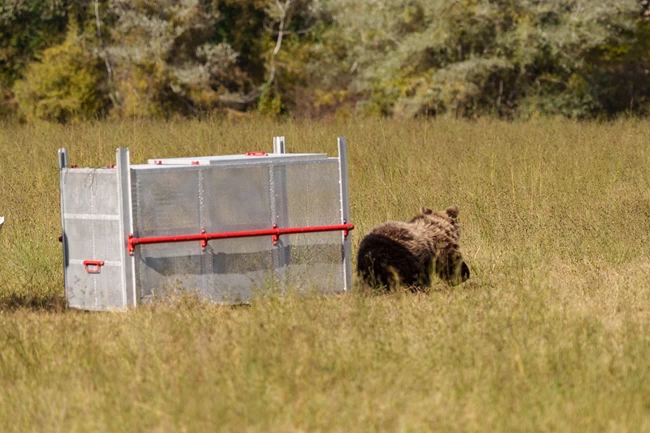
{"x":278,"y":213}
{"x":279,"y":210}
{"x":279,"y":145}
{"x":345,"y":211}
{"x":63,"y":163}
{"x":126,"y":225}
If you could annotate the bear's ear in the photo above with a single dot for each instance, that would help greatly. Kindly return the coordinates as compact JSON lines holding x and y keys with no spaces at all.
{"x":425,"y":211}
{"x":452,"y":211}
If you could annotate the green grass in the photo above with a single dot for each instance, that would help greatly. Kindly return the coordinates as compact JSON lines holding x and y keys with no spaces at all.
{"x":549,"y":334}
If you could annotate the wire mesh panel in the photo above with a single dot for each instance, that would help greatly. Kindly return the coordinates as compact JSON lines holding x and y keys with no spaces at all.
{"x":236,"y":199}
{"x":178,"y":200}
{"x":223,"y":227}
{"x":311,"y":198}
{"x":166,"y":202}
{"x":91,"y":232}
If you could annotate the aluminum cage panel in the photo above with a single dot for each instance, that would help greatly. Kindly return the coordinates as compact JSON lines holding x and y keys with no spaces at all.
{"x":90,"y":206}
{"x":228,"y":228}
{"x":176,"y":200}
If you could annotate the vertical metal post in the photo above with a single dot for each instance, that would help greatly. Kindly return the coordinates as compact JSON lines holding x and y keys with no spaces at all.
{"x":129,"y":294}
{"x":283,"y":205}
{"x":345,"y":212}
{"x":63,"y":158}
{"x":63,"y":164}
{"x":279,"y":205}
{"x":279,"y":145}
{"x":206,"y":256}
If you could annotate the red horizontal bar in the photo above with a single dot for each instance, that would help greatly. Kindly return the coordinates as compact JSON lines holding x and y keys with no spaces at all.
{"x":204,"y":237}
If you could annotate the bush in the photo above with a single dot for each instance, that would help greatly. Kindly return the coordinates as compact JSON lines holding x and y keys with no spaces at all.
{"x":65,"y":86}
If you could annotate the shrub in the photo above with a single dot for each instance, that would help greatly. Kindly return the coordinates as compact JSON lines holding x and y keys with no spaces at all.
{"x":65,"y":85}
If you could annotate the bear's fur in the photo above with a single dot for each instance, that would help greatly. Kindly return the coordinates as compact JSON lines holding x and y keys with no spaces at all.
{"x":407,"y":253}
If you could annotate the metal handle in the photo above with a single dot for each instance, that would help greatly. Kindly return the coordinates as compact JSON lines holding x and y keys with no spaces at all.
{"x":93,"y":266}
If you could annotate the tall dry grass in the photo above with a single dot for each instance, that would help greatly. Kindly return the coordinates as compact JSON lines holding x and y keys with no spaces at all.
{"x":550,"y":334}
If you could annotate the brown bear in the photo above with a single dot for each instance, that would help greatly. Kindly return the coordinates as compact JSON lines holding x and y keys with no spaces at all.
{"x":396,"y":252}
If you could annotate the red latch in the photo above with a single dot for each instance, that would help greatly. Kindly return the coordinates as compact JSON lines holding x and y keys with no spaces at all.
{"x":157,"y":162}
{"x":346,"y":231}
{"x":73,"y":165}
{"x":275,"y":237}
{"x":195,"y":163}
{"x":255,"y":154}
{"x":93,"y":266}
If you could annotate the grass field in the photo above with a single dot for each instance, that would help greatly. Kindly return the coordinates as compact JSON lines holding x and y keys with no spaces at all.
{"x":550,"y":334}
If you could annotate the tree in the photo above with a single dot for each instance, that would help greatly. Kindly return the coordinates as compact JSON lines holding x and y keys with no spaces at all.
{"x":64,"y":85}
{"x":468,"y":57}
{"x":165,"y":60}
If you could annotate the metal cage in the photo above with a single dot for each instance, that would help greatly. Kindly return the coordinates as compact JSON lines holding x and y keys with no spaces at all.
{"x":224,"y":227}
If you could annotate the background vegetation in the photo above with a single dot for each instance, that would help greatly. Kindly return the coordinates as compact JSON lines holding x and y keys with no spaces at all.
{"x":65,"y":60}
{"x":550,"y":334}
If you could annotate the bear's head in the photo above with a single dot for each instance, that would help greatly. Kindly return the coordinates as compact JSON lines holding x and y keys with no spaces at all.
{"x":443,"y":229}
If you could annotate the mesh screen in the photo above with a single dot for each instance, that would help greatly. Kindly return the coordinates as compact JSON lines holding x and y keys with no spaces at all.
{"x":184,"y":200}
{"x":313,"y":196}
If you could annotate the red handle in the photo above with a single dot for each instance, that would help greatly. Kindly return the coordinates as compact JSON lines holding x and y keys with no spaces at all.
{"x":93,"y":266}
{"x":255,"y":154}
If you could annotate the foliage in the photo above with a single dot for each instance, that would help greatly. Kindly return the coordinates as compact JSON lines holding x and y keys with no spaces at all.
{"x":27,"y":27}
{"x":64,"y":85}
{"x":466,"y":58}
{"x":164,"y":59}
{"x":19,"y":43}
{"x":511,"y":58}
